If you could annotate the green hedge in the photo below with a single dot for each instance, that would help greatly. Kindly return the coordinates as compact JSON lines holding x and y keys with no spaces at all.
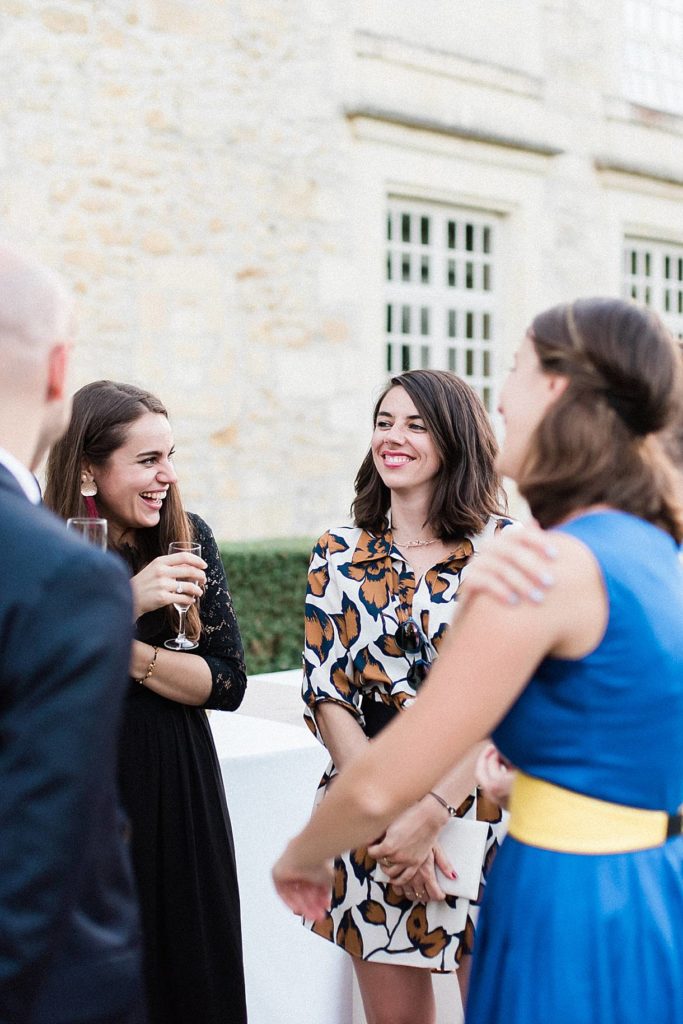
{"x":267,"y":580}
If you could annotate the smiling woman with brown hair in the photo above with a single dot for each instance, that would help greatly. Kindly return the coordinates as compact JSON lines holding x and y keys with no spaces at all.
{"x":381,"y":595}
{"x":116,"y":460}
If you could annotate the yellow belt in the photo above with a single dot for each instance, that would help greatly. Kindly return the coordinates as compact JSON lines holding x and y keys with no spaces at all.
{"x":545,"y":815}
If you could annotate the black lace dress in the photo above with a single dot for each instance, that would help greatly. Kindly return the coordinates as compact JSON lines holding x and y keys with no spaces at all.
{"x":182,"y":844}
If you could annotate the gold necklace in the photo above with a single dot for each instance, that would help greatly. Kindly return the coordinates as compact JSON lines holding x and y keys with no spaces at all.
{"x":416,"y":543}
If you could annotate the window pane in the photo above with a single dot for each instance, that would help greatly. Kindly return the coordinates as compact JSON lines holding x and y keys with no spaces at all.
{"x":452,"y":324}
{"x":653,"y":278}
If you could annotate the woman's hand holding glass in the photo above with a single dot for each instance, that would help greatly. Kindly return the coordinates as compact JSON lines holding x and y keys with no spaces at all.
{"x":156,"y":586}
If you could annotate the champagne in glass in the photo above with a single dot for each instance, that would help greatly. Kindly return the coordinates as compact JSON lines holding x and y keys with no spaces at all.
{"x":181,"y":642}
{"x":91,"y":529}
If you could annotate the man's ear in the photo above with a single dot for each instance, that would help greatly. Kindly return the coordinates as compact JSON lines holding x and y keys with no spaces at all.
{"x":58,"y":363}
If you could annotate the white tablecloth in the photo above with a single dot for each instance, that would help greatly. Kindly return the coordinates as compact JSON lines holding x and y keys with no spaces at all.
{"x":270,"y":771}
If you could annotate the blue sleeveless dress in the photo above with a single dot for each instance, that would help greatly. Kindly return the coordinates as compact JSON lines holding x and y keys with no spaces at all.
{"x":597,"y":939}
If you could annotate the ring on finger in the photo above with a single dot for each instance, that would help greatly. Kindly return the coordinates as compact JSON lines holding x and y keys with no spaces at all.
{"x":386,"y":862}
{"x":179,"y":588}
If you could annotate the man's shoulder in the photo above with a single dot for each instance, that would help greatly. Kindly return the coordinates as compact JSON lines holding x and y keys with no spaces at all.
{"x":36,"y":546}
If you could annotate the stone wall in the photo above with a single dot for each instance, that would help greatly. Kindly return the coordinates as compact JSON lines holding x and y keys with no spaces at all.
{"x":211,"y":175}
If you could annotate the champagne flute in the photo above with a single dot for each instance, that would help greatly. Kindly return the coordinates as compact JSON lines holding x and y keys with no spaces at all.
{"x":181,"y":642}
{"x":91,"y":529}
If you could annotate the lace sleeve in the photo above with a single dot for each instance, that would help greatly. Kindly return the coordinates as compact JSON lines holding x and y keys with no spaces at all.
{"x":220,"y":643}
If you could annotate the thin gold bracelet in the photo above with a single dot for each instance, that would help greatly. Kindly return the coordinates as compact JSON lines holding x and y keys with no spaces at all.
{"x":150,"y":668}
{"x":439,"y":799}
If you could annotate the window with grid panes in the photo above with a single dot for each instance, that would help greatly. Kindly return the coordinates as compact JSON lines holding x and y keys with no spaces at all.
{"x":653,"y":276}
{"x":440,"y":292}
{"x":653,"y":53}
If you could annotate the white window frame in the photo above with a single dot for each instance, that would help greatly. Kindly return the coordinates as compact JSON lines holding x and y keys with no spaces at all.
{"x":449,"y":321}
{"x":653,"y":277}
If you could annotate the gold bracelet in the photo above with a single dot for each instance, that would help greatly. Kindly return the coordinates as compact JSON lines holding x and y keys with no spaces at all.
{"x":439,"y":799}
{"x":150,"y":668}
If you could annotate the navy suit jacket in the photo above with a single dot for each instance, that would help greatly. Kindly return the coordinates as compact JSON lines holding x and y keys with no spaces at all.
{"x":69,"y":933}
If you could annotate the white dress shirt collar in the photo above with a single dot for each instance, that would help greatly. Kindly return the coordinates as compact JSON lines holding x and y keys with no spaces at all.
{"x":22,"y":475}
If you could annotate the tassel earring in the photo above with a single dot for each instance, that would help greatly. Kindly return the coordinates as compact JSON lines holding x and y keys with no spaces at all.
{"x":89,"y":490}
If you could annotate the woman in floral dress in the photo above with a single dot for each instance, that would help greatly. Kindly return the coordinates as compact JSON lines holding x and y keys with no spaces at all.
{"x":380,"y":597}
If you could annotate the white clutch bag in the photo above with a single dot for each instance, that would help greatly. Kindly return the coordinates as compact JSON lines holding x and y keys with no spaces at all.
{"x":463,"y":840}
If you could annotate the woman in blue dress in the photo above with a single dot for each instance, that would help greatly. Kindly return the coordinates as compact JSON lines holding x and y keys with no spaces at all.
{"x":583,"y":691}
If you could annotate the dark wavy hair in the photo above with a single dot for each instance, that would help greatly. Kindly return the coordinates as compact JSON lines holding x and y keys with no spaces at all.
{"x":467,"y":489}
{"x":102,"y":413}
{"x":601,"y":441}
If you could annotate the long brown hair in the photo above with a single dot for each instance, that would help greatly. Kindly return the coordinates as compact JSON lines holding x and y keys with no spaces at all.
{"x":102,"y":413}
{"x":467,"y":489}
{"x":600,"y":441}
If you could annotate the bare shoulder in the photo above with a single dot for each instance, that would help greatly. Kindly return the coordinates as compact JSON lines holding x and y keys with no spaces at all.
{"x":565,"y":619}
{"x":576,"y":563}
{"x":578,"y":599}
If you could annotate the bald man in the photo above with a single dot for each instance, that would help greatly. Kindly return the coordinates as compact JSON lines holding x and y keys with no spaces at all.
{"x":69,"y":950}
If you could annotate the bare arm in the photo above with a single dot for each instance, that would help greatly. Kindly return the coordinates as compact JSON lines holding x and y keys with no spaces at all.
{"x":214,"y":675}
{"x":341,"y":733}
{"x":185,"y":678}
{"x":495,"y":649}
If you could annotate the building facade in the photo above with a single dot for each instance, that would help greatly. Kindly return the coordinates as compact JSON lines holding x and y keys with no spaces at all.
{"x":264,"y":207}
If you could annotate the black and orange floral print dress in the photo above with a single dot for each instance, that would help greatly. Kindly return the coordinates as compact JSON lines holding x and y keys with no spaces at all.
{"x":359,"y":589}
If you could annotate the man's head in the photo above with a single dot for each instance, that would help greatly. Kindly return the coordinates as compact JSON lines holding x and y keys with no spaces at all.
{"x":36,"y":327}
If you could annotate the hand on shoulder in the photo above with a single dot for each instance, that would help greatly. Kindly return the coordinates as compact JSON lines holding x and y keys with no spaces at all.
{"x":516,"y":564}
{"x":534,"y":577}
